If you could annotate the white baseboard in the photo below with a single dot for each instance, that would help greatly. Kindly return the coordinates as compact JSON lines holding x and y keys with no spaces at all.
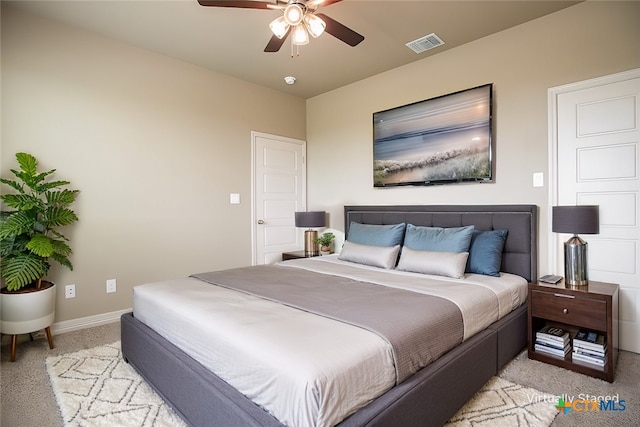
{"x":87,"y":322}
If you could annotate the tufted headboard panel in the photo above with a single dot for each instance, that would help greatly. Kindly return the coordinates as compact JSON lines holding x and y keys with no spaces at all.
{"x":520,"y":254}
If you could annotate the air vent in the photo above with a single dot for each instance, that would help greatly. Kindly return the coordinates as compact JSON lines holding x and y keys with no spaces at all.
{"x":425,"y":43}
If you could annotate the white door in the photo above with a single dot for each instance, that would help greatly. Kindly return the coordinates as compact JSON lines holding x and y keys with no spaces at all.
{"x":279,"y":190}
{"x":596,"y":161}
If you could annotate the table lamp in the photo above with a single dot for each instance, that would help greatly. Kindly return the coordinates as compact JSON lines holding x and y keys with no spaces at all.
{"x":583,"y":219}
{"x":309,"y":220}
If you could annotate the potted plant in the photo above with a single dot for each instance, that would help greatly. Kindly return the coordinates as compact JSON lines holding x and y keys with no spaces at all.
{"x":325,"y":241}
{"x":29,"y":238}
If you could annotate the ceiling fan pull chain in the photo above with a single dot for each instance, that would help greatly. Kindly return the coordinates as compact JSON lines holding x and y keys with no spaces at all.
{"x":295,"y":49}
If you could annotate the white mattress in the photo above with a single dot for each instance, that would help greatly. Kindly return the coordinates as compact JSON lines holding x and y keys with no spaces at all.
{"x":305,"y":369}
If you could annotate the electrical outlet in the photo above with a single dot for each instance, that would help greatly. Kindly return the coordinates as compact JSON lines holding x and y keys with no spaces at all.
{"x":111,"y":285}
{"x":70,"y":291}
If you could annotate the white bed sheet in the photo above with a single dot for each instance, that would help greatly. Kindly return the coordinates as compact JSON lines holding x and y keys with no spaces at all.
{"x":305,"y":369}
{"x":481,"y":299}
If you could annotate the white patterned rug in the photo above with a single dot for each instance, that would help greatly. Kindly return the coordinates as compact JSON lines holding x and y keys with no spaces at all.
{"x":503,"y":403}
{"x":96,"y":387}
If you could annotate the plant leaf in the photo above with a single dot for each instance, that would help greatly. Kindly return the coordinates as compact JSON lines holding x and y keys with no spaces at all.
{"x":33,"y":181}
{"x":58,"y":234}
{"x":61,"y":198}
{"x":21,"y":269}
{"x":53,"y":184}
{"x":60,"y":247}
{"x":6,"y":245}
{"x":13,"y":244}
{"x":59,"y":217}
{"x":62,"y":260}
{"x":18,"y":222}
{"x":41,"y":245}
{"x":22,"y":202}
{"x":13,"y":184}
{"x":27,"y":163}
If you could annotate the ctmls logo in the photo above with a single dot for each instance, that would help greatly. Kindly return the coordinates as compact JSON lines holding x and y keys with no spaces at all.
{"x":590,"y":405}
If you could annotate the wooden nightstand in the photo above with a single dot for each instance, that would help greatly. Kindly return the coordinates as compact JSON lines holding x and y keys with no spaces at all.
{"x":594,"y":307}
{"x":295,"y":255}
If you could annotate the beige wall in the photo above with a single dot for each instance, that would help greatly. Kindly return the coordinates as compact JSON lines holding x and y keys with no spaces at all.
{"x":154,"y":145}
{"x":582,"y":42}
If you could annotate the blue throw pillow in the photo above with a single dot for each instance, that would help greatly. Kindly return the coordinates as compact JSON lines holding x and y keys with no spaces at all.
{"x":376,"y":235}
{"x":485,"y":252}
{"x":438,"y":239}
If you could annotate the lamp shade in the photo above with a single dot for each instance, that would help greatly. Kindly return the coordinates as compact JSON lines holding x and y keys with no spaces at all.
{"x":582,"y":219}
{"x":299,"y":35}
{"x":310,"y":219}
{"x":279,"y":27}
{"x":293,"y":14}
{"x":314,"y":25}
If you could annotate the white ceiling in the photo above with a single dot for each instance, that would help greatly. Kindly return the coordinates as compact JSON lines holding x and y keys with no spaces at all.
{"x":231,"y":40}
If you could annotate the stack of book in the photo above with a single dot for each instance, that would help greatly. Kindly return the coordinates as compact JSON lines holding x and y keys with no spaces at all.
{"x":589,"y":347}
{"x":553,"y":341}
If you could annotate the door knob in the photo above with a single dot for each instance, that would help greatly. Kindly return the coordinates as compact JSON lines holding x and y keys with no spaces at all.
{"x":260,"y":221}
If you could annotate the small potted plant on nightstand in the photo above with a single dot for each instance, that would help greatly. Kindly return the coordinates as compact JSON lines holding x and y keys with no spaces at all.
{"x":29,"y":238}
{"x":325,"y":241}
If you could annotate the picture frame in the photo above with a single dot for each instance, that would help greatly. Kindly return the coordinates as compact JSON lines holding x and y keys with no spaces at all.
{"x":442,"y":140}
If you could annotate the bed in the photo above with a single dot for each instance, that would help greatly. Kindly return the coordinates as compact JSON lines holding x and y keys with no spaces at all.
{"x":427,"y":395}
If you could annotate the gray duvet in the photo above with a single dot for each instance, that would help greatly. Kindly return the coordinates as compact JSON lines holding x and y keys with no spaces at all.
{"x":420,"y":328}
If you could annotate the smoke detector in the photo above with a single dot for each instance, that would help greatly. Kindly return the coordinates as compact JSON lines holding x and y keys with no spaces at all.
{"x":289,"y":80}
{"x":425,"y":43}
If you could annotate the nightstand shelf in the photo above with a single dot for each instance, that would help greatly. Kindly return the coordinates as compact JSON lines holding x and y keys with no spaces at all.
{"x":594,"y":307}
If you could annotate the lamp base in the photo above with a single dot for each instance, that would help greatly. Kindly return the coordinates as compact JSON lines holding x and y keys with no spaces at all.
{"x":310,"y":245}
{"x":576,"y":273}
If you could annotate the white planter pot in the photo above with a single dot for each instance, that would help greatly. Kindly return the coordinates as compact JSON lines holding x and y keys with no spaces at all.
{"x":27,"y":312}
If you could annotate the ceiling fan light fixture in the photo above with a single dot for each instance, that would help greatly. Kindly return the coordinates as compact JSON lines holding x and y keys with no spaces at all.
{"x":293,"y":14}
{"x":279,"y":27}
{"x":300,"y":35}
{"x":299,"y":16}
{"x":314,"y":25}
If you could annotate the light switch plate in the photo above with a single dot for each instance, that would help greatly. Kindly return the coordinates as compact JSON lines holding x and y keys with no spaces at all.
{"x":538,"y":179}
{"x":234,"y":198}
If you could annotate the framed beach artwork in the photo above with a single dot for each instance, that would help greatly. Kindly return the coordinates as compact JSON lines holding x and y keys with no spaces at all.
{"x":441,"y":140}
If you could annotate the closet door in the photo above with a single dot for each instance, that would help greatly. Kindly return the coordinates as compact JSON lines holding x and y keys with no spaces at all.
{"x":596,"y":157}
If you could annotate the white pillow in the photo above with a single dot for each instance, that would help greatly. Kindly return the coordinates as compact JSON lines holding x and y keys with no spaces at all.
{"x":450,"y":264}
{"x":377,"y":256}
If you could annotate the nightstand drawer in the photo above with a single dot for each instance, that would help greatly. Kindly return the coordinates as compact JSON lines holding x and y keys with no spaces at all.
{"x":588,"y":313}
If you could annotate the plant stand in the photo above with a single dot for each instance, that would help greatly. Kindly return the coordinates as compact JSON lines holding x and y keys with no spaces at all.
{"x":14,"y":343}
{"x":26,"y":312}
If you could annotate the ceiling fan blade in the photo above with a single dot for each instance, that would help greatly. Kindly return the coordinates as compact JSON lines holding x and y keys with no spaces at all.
{"x":275,"y":43}
{"x":247,"y":4}
{"x":313,"y":3}
{"x":340,"y":31}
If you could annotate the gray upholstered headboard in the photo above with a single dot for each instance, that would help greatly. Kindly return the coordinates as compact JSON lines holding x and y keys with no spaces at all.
{"x":521,"y":249}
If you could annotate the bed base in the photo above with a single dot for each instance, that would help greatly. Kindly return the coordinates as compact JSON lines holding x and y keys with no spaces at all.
{"x":429,"y":398}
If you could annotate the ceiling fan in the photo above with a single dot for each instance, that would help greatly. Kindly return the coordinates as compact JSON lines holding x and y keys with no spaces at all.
{"x":299,"y":18}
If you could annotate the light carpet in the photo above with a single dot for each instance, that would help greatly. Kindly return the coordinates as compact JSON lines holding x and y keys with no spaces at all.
{"x":96,"y":387}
